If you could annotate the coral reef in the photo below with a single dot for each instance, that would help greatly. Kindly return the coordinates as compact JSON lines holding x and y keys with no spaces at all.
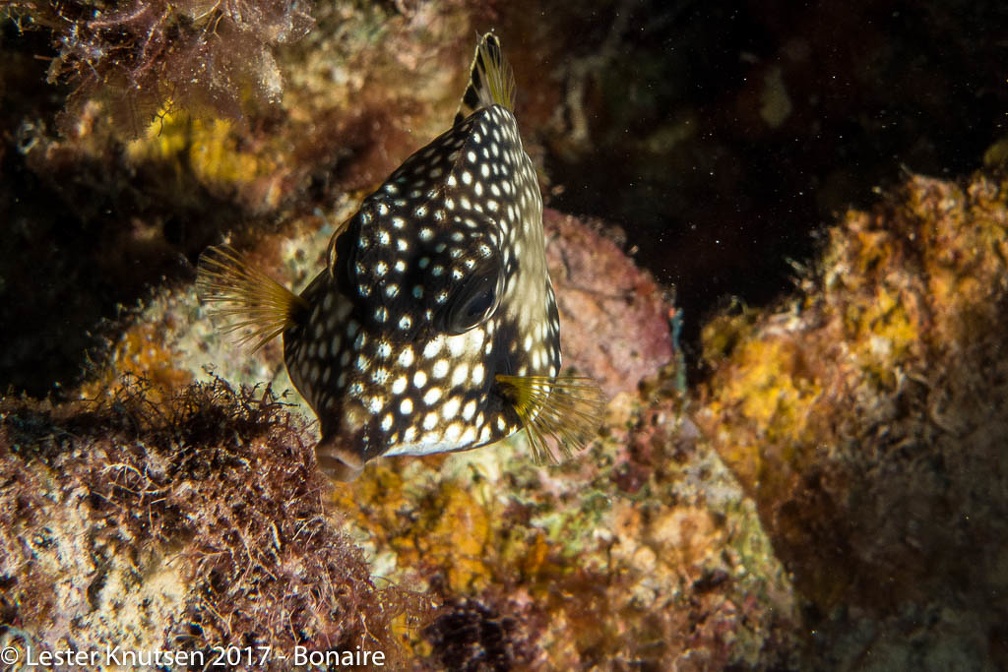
{"x":618,"y":316}
{"x":866,"y":420}
{"x":829,"y":496}
{"x":841,"y":478}
{"x":640,"y":553}
{"x":533,"y":567}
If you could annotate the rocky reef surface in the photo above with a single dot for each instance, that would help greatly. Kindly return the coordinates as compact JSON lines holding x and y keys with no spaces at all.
{"x":865,"y":418}
{"x":828,"y":494}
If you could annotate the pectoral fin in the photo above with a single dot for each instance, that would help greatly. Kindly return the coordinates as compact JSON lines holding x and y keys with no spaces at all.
{"x":562,"y":413}
{"x":244,"y":297}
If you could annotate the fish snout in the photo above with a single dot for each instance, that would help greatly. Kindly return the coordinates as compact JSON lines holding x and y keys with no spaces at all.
{"x":336,"y":461}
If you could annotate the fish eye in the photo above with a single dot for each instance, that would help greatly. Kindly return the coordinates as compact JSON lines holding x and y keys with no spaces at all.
{"x":478,"y":305}
{"x":472,"y":303}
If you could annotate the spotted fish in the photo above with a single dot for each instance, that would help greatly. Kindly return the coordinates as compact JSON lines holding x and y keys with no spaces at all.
{"x":434,"y":326}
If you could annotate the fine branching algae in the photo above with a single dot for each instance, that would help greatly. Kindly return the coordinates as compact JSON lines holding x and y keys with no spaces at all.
{"x":141,"y":57}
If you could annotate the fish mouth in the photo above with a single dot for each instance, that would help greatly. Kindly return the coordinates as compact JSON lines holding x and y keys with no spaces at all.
{"x":337,"y":462}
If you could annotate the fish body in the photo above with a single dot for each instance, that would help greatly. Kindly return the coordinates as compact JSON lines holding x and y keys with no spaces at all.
{"x":434,"y":325}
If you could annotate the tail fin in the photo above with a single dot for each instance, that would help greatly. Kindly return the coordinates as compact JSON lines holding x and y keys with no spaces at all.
{"x":245,"y":297}
{"x":491,"y":80}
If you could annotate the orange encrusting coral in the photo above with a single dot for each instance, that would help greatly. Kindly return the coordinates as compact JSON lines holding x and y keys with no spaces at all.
{"x":141,"y":353}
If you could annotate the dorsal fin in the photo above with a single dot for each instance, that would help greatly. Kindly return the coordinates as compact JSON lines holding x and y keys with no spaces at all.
{"x":245,"y":297}
{"x":491,"y":80}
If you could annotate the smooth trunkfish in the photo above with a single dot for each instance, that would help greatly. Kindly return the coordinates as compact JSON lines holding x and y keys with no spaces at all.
{"x":433,"y":327}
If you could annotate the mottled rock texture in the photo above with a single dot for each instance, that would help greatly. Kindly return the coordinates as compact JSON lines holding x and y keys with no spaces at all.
{"x":867,"y":420}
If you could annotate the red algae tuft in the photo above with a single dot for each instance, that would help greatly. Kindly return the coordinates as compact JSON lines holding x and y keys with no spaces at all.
{"x":181,"y":524}
{"x":141,"y":57}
